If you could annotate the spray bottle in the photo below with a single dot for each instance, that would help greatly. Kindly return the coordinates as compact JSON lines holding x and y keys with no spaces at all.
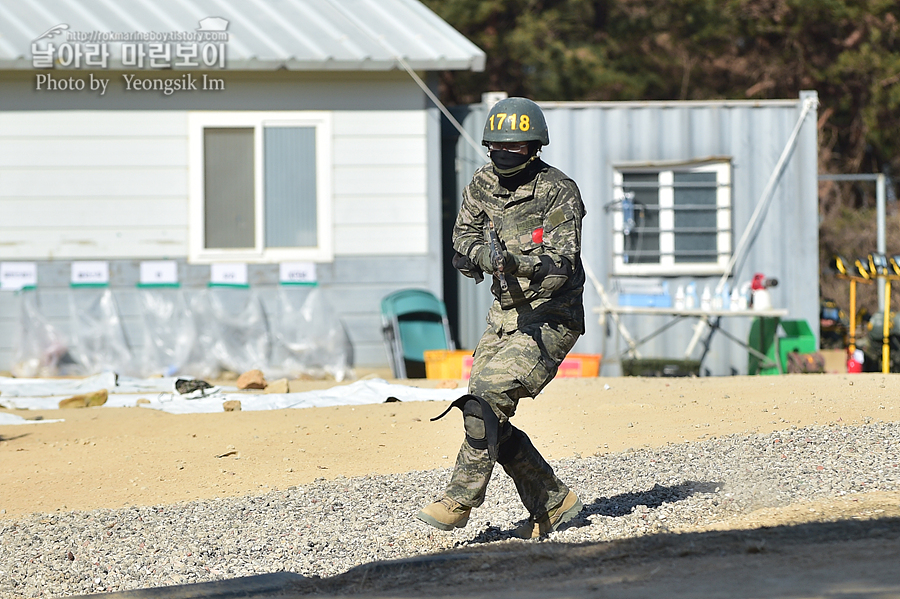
{"x":761,"y":300}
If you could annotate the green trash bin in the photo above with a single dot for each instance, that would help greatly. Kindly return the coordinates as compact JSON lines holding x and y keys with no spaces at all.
{"x":798,"y":337}
{"x":762,"y":338}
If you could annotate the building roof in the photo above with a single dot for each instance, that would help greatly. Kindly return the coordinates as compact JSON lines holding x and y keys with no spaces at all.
{"x":308,"y":35}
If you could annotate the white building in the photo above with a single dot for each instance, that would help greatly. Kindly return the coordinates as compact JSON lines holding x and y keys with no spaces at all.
{"x":208,"y":132}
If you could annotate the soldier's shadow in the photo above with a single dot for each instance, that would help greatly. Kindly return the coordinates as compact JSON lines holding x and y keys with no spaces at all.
{"x":616,"y":506}
{"x":624,"y":504}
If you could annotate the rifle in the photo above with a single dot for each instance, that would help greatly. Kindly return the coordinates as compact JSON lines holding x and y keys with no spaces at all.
{"x":496,"y":255}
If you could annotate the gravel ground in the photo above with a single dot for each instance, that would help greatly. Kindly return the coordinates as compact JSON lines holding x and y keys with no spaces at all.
{"x":326,"y":528}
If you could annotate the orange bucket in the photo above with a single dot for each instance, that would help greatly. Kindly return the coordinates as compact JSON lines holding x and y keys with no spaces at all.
{"x":457,"y":364}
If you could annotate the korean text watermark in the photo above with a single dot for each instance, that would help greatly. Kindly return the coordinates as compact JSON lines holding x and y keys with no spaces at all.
{"x":59,"y":46}
{"x":205,"y":47}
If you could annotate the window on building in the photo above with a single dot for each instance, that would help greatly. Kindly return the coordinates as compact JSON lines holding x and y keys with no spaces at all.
{"x":672,"y":219}
{"x":260,"y":186}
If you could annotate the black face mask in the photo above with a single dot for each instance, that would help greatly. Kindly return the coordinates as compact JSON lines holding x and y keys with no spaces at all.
{"x":508,"y":163}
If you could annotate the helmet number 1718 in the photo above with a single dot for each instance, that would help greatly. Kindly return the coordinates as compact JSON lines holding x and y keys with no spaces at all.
{"x":524,"y":123}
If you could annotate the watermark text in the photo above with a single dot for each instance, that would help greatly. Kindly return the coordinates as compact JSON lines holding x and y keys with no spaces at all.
{"x":167,"y":86}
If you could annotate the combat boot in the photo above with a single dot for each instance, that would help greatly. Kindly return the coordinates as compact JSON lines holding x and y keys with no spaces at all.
{"x":565,"y":511}
{"x":445,"y":514}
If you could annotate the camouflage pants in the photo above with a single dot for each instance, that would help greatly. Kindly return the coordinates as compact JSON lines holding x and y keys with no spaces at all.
{"x":506,"y":368}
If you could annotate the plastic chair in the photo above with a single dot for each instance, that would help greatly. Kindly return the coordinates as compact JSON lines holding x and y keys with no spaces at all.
{"x":413,"y":321}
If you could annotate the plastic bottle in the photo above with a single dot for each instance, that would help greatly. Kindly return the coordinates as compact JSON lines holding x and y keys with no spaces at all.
{"x":735,"y":303}
{"x":725,"y":298}
{"x":691,"y":301}
{"x":717,"y":302}
{"x":744,"y":298}
{"x":706,"y":299}
{"x":679,"y":298}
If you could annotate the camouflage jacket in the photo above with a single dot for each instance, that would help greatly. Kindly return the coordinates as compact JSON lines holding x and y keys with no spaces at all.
{"x":540,"y":223}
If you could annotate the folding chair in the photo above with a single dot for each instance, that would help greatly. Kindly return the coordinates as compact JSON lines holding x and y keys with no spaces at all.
{"x":413,"y":321}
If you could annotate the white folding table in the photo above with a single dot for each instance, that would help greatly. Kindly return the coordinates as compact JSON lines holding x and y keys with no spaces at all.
{"x":708,"y":322}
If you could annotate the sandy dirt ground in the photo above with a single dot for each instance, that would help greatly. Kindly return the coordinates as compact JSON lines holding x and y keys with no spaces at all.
{"x":841,"y":547}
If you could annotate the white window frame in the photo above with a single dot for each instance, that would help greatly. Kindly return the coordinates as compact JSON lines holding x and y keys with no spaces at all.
{"x":667,"y":264}
{"x":259,"y":120}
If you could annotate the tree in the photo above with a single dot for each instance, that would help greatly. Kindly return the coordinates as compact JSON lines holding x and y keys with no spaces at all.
{"x":846,"y":50}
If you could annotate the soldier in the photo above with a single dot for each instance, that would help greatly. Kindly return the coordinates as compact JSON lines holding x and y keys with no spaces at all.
{"x":534,"y":211}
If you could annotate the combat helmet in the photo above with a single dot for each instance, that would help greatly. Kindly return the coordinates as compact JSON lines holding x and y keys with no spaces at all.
{"x":515,"y":119}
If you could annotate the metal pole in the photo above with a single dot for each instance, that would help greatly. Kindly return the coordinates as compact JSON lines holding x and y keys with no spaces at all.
{"x":880,"y":209}
{"x":886,"y":331}
{"x":852,"y":348}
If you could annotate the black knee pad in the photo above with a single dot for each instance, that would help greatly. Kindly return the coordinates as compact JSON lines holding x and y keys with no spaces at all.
{"x":480,"y":435}
{"x":510,"y":447}
{"x":473,"y":421}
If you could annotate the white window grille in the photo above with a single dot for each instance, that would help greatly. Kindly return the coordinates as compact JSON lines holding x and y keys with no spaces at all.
{"x":672,"y":219}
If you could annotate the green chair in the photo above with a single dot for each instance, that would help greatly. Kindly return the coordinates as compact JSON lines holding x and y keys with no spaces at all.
{"x":413,"y":321}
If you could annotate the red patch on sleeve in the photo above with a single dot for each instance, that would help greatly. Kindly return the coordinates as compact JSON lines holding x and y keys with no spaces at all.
{"x":537,"y":235}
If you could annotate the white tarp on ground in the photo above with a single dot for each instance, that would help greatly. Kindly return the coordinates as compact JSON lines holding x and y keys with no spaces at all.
{"x":45,"y":394}
{"x":16,"y":387}
{"x":10,"y":419}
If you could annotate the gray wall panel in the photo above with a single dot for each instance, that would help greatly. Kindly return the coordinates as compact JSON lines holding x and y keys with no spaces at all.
{"x":370,"y":354}
{"x":53,"y":304}
{"x":366,"y":328}
{"x":9,"y":307}
{"x":8,"y":329}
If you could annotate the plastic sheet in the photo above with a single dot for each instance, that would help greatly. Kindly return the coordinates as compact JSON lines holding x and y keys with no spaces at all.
{"x":201,"y":362}
{"x":41,"y":350}
{"x":98,"y":341}
{"x":170,"y":334}
{"x":309,"y":339}
{"x":188,"y":333}
{"x":232,"y":324}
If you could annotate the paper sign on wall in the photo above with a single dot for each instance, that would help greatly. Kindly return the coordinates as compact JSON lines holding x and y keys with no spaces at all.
{"x":228,"y":274}
{"x":298,"y":272}
{"x":159,"y":272}
{"x":15,"y":275}
{"x":90,"y":273}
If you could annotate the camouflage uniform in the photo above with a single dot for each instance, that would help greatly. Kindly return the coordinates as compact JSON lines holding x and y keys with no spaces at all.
{"x":531,"y":326}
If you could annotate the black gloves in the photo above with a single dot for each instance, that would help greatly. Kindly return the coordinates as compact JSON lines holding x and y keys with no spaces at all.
{"x":464,"y":265}
{"x":550,"y":276}
{"x":483,"y":260}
